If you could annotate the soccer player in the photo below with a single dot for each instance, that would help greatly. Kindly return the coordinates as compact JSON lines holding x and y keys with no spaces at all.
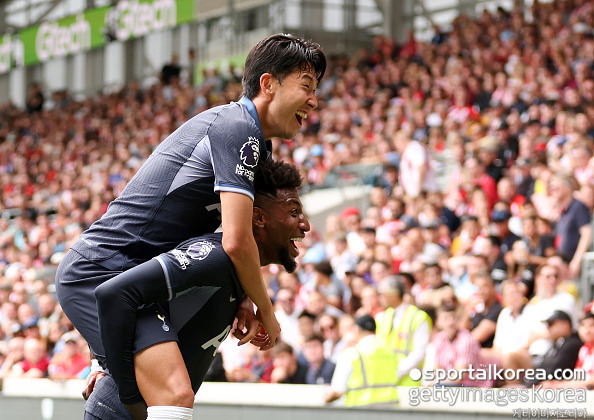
{"x":199,"y":290}
{"x":197,"y":178}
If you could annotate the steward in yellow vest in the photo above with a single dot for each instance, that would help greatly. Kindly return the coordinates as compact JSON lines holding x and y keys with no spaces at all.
{"x":366,"y":373}
{"x":405,"y":328}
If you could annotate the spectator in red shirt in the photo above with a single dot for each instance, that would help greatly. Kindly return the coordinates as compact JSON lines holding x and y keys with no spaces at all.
{"x":68,"y":363}
{"x":35,"y":363}
{"x":475,"y":175}
{"x":455,"y":348}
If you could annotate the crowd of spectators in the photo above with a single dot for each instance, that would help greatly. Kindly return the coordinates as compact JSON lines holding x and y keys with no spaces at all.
{"x":482,"y":210}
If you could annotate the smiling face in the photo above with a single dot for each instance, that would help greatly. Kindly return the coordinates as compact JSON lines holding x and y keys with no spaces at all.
{"x":279,"y":223}
{"x":291,"y":100}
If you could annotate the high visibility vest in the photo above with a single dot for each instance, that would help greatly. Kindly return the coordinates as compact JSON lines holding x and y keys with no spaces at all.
{"x":401,"y":338}
{"x":373,"y":380}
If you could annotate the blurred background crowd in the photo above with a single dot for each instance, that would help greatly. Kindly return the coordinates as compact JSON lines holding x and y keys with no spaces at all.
{"x":480,"y":215}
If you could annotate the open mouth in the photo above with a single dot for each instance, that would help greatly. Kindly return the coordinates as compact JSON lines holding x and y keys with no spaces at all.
{"x":294,"y":246}
{"x":300,"y":116}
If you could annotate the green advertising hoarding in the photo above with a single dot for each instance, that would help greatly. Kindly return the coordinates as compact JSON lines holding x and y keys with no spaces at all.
{"x":91,"y":29}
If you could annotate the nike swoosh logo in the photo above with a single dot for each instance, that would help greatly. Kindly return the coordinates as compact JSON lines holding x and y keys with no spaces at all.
{"x":231,"y":299}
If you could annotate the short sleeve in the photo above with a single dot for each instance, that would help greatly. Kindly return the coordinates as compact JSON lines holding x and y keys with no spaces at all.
{"x":235,"y":153}
{"x":343,"y":370}
{"x":494,"y":312}
{"x":582,"y":216}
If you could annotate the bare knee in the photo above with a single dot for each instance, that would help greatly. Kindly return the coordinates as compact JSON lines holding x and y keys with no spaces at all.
{"x":162,"y":377}
{"x":181,"y":396}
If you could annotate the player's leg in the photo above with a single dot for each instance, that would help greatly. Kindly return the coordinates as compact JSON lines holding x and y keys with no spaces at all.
{"x":76,"y":280}
{"x":165,"y":378}
{"x":160,"y":370}
{"x":162,"y":376}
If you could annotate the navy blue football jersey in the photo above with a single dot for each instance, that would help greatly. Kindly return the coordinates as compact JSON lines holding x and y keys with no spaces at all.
{"x":195,"y":277}
{"x":175,"y":194}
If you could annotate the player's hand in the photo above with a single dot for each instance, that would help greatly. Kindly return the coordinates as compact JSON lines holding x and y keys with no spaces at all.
{"x":247,"y":325}
{"x":271,"y":326}
{"x":90,"y":383}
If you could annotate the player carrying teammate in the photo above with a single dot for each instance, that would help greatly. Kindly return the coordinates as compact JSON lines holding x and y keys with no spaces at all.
{"x":199,"y":293}
{"x":198,"y":177}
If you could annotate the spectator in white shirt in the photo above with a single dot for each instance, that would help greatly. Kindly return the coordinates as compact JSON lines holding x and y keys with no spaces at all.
{"x":287,"y":314}
{"x":512,"y":324}
{"x":416,"y":173}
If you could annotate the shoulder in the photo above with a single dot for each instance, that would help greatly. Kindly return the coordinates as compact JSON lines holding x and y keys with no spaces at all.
{"x":575,"y":341}
{"x":564,"y":297}
{"x":203,"y":246}
{"x":504,"y":314}
{"x":496,"y":308}
{"x":465,"y":338}
{"x":234,"y":118}
{"x":439,"y":339}
{"x":328,"y":366}
{"x":417,"y":312}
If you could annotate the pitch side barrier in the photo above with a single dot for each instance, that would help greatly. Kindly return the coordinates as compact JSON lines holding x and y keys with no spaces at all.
{"x":61,"y":400}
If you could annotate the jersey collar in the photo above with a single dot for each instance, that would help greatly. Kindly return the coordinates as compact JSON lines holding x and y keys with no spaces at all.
{"x":251,"y":109}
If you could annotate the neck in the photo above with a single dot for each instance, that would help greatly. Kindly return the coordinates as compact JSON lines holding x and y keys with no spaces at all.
{"x":261,"y":105}
{"x":261,"y":253}
{"x":547,"y":294}
{"x":397,"y":304}
{"x":317,"y":365}
{"x":324,"y":280}
{"x":564,"y":203}
{"x":452,"y":334}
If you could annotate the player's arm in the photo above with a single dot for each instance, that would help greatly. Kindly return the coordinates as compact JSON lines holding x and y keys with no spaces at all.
{"x":118,"y":299}
{"x":240,"y":246}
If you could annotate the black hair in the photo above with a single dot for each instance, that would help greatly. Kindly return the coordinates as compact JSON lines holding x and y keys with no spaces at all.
{"x":280,"y":55}
{"x":446,"y":309}
{"x":494,"y":240}
{"x":314,"y":337}
{"x":272,"y":176}
{"x":307,"y":314}
{"x":282,"y":347}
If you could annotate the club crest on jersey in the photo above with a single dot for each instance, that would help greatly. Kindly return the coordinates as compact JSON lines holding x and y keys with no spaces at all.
{"x":250,"y":152}
{"x":199,"y":250}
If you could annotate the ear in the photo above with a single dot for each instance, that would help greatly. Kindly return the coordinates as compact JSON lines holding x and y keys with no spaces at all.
{"x":268,"y":85}
{"x":258,"y":218}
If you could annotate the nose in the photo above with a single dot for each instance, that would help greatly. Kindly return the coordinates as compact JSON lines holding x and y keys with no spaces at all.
{"x":312,"y":101}
{"x":304,"y":223}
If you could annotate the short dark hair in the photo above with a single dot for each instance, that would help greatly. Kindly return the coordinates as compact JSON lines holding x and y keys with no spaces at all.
{"x":307,"y":314}
{"x":394,"y":283}
{"x":280,"y":55}
{"x":282,"y":347}
{"x":272,"y":176}
{"x":314,"y":337}
{"x":446,"y":309}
